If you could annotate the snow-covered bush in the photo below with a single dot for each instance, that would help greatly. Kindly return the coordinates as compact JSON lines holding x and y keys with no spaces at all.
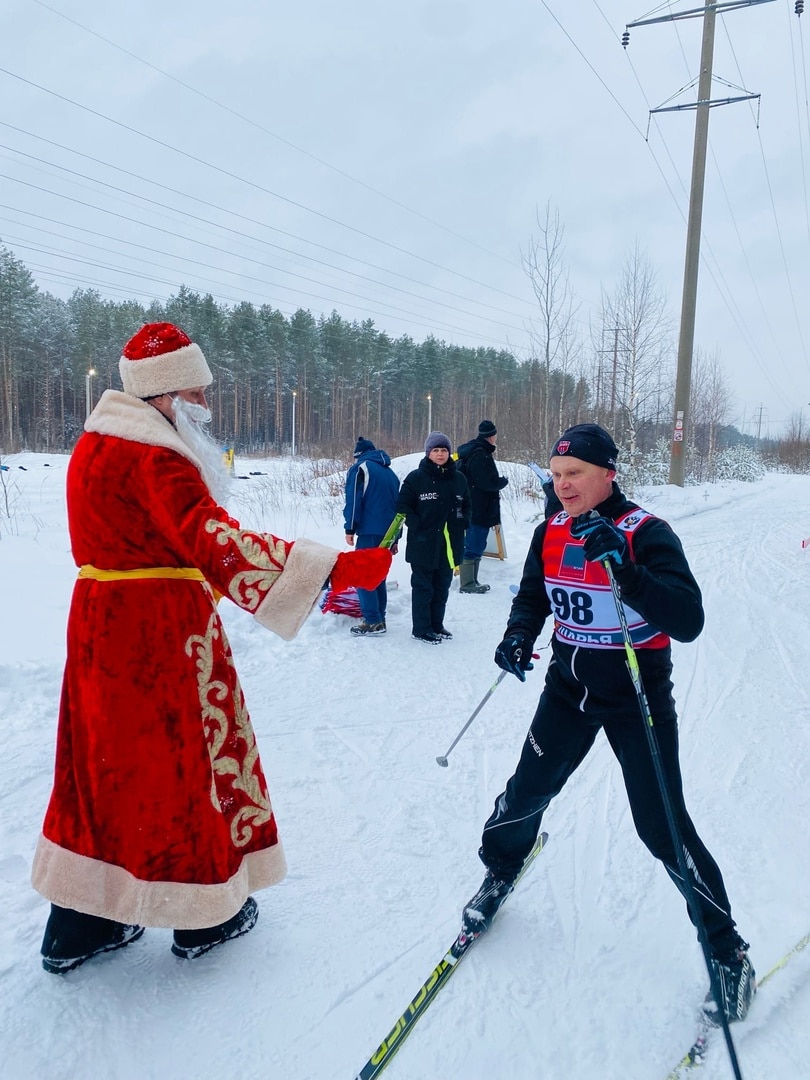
{"x":651,"y":468}
{"x":739,"y":463}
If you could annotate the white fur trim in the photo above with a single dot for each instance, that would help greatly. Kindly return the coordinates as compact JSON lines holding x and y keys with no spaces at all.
{"x":129,"y":418}
{"x":182,"y":369}
{"x":103,"y":889}
{"x":285,"y":608}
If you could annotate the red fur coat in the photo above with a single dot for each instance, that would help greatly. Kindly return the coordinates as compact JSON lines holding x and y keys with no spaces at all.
{"x":160,"y":813}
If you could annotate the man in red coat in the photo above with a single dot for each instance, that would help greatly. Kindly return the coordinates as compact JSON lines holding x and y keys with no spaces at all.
{"x":160,"y":814}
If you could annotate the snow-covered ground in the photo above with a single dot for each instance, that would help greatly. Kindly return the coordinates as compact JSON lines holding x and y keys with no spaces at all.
{"x":591,"y":971}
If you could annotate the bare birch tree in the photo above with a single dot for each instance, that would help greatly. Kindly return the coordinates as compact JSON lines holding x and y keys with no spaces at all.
{"x":710,"y":402}
{"x":636,"y":320}
{"x":553,"y":331}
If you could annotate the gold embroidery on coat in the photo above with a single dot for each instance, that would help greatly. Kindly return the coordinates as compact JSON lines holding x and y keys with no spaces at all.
{"x":266,"y":555}
{"x":216,"y":701}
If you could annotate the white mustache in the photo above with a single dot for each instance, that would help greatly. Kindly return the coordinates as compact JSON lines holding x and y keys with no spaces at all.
{"x":198,"y":414}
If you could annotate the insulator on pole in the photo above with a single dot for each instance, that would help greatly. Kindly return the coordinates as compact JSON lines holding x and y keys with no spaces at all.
{"x":799,"y":7}
{"x":626,"y":34}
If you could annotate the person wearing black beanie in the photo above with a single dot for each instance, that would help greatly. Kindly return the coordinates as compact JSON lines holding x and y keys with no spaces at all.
{"x":362,"y":446}
{"x":476,"y":459}
{"x":372,"y":488}
{"x":587,"y":687}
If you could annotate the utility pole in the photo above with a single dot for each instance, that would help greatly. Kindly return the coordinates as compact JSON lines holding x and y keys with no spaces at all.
{"x":759,"y":422}
{"x":615,"y":330}
{"x":686,"y":339}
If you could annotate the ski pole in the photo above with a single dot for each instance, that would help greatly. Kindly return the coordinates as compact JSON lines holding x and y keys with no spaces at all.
{"x":674,"y":830}
{"x":443,"y":759}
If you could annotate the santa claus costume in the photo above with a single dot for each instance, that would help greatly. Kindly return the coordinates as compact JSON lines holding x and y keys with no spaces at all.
{"x":160,"y":814}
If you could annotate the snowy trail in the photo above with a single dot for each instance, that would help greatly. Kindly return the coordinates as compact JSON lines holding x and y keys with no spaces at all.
{"x":591,"y":971}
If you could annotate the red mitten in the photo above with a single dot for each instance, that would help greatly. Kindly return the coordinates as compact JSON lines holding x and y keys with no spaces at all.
{"x":364,"y":569}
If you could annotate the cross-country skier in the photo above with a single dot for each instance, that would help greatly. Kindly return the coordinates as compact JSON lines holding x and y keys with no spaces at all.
{"x":588,"y":687}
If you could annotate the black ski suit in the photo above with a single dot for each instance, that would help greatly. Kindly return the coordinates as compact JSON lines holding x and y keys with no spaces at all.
{"x":590,"y":688}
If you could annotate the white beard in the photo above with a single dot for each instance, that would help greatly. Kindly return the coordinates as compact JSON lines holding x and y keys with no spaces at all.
{"x":189,"y":420}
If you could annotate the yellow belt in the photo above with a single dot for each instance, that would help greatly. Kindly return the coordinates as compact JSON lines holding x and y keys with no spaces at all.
{"x":188,"y":573}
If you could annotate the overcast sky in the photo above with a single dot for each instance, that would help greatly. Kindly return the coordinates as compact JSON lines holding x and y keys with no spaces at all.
{"x":389,"y":161}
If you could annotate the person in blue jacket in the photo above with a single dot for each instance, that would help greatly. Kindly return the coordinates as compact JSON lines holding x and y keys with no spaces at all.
{"x":372,"y":488}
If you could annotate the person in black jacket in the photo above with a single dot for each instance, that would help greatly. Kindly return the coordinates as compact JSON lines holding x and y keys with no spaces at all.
{"x":588,"y":687}
{"x":436,"y":502}
{"x":477,"y":462}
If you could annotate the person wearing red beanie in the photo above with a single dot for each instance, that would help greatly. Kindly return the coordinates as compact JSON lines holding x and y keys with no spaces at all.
{"x":160,"y":814}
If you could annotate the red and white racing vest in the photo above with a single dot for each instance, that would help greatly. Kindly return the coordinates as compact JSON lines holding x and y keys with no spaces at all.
{"x":580,"y":594}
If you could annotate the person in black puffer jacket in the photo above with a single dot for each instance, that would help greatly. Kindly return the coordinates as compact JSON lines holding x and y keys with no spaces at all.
{"x":435,"y":499}
{"x":476,"y":459}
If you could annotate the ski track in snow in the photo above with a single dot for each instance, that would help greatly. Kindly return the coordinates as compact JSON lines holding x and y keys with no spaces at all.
{"x":591,"y":970}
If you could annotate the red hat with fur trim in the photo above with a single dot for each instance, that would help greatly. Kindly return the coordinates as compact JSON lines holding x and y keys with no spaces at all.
{"x":161,"y":359}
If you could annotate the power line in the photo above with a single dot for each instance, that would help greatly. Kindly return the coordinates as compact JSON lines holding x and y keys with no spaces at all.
{"x":788,"y":275}
{"x":175,"y":283}
{"x":764,"y":367}
{"x":274,"y":135}
{"x":253,"y":184}
{"x":263,"y":263}
{"x":241,"y":217}
{"x":726,"y":296}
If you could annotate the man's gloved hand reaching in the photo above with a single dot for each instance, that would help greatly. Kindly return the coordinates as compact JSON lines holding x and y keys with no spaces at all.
{"x":514,"y":654}
{"x":602,"y":539}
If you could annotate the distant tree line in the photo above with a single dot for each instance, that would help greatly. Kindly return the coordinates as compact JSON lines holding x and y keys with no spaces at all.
{"x":347,"y":378}
{"x":320,"y":382}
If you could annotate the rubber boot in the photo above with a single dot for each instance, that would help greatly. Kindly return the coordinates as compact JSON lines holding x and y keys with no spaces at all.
{"x":467,"y":572}
{"x":481,"y":588}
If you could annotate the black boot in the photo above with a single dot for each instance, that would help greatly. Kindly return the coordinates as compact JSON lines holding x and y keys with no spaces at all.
{"x":189,"y":944}
{"x":71,"y":937}
{"x":481,"y":909}
{"x":737,"y":982}
{"x":481,"y":588}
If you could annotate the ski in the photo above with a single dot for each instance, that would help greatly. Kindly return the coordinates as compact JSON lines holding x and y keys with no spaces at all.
{"x":695,"y":1056}
{"x":430,"y":989}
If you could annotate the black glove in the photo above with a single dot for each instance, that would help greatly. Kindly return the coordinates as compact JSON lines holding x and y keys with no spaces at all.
{"x":502,"y":482}
{"x":514,"y":654}
{"x":603,"y":539}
